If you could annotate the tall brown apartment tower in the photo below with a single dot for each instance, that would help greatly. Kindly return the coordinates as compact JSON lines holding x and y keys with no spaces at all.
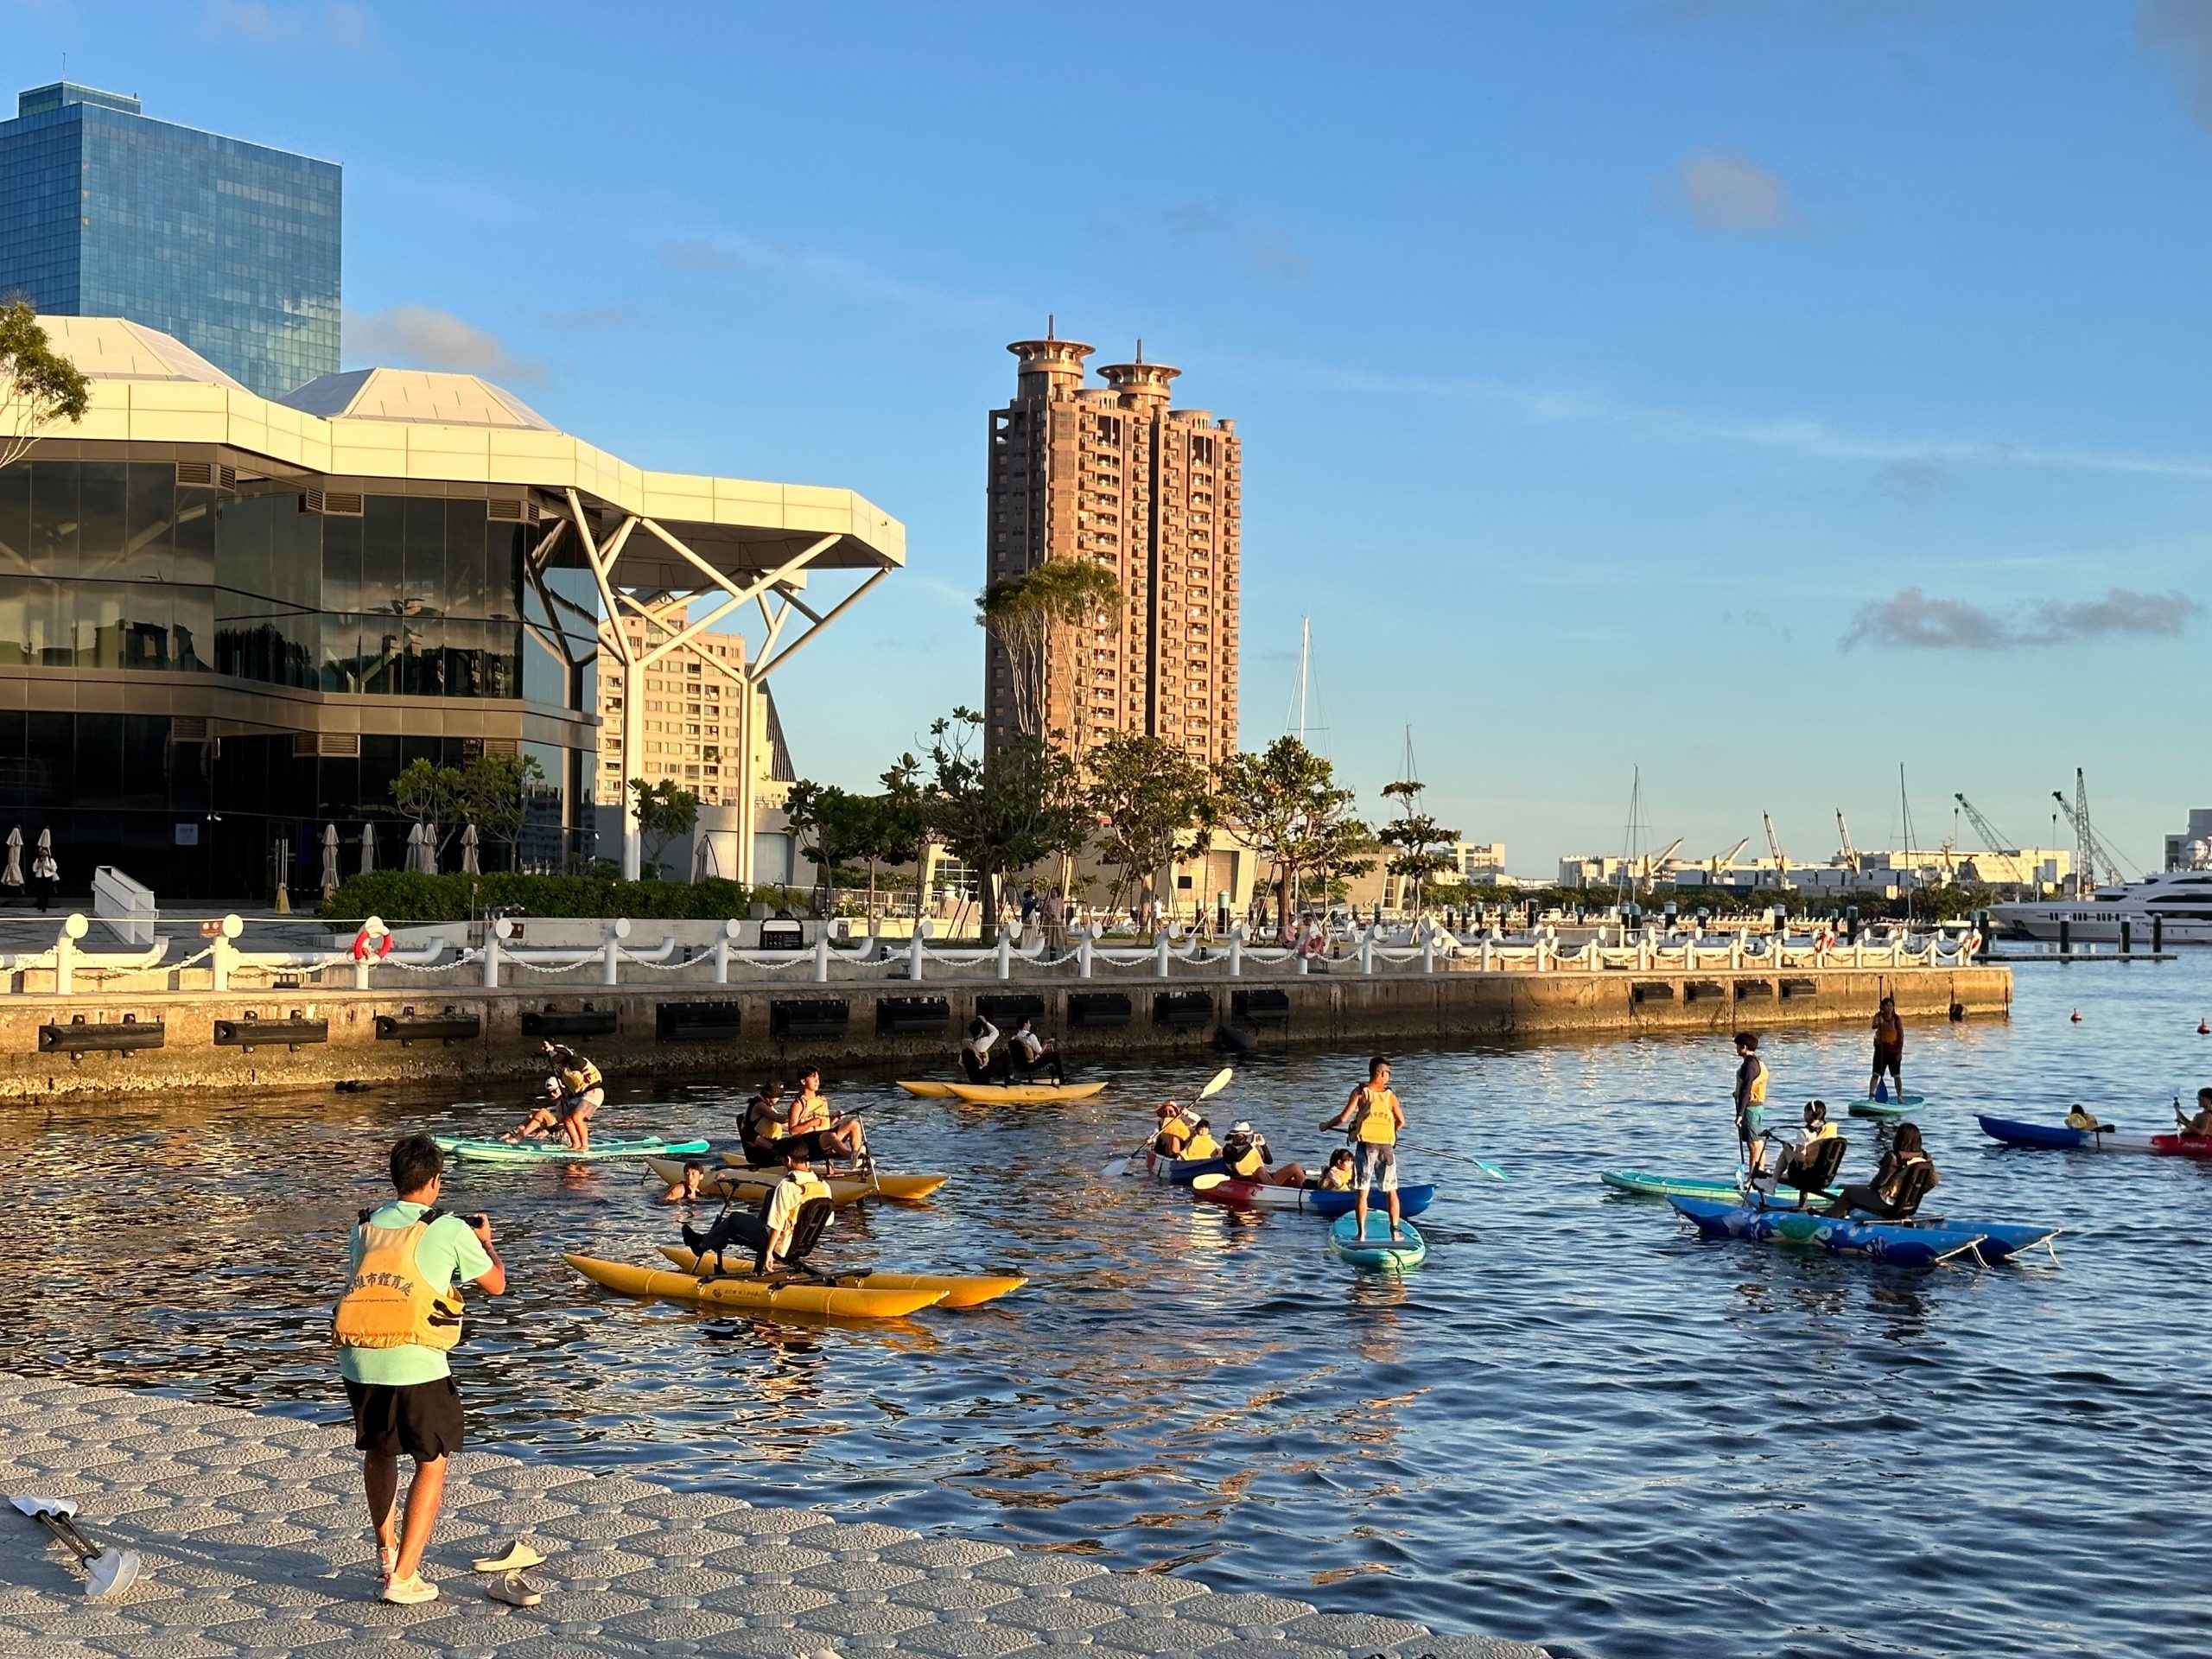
{"x":1112,"y":473}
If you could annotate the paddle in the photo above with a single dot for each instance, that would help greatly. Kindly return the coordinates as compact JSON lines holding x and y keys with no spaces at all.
{"x":1490,"y":1170}
{"x":1214,"y":1085}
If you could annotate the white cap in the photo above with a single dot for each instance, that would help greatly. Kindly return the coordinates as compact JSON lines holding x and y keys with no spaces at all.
{"x":1240,"y":1128}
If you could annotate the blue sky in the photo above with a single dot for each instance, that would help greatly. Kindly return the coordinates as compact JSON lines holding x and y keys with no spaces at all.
{"x":1764,"y":393}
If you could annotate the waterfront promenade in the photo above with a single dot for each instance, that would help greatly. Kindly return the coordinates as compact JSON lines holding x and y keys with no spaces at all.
{"x":254,"y":1543}
{"x":659,"y":999}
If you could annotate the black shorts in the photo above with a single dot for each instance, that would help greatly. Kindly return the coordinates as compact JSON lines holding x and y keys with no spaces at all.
{"x":421,"y":1419}
{"x":1889,"y":1059}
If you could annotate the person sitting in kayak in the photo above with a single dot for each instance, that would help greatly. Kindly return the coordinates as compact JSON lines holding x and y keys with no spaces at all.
{"x":2081,"y":1118}
{"x":690,"y":1188}
{"x":1905,"y":1177}
{"x":1245,"y":1151}
{"x":1201,"y":1143}
{"x":2202,"y":1123}
{"x":1751,"y":1100}
{"x":976,"y":1058}
{"x":766,"y":1232}
{"x":1029,"y":1053}
{"x":763,"y":1126}
{"x":1337,"y":1178}
{"x":808,"y":1123}
{"x":1796,"y":1164}
{"x":1177,"y":1125}
{"x":1888,"y":1050}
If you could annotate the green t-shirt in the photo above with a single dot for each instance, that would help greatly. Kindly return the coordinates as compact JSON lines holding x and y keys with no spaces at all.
{"x":448,"y":1252}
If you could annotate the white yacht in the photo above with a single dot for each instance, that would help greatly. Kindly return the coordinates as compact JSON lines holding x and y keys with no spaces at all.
{"x":2180,"y":899}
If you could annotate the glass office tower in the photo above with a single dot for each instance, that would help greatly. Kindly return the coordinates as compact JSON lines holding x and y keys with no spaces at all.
{"x":232,"y":247}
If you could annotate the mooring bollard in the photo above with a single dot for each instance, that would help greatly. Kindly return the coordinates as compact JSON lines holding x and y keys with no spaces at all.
{"x":221,"y":949}
{"x":65,"y":952}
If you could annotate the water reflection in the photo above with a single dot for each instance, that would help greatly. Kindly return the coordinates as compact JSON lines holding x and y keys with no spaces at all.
{"x":1575,"y":1423}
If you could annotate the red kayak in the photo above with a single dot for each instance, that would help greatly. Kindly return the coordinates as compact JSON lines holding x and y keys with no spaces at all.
{"x":2057,"y":1136}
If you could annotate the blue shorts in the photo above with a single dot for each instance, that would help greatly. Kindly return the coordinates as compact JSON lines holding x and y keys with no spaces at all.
{"x":1375,"y":1166}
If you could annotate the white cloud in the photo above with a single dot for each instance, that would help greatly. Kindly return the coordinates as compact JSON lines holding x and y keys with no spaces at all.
{"x":2181,"y":32}
{"x":1270,"y":252}
{"x":1729,"y":193}
{"x":415,"y":336}
{"x":335,"y":23}
{"x":1913,"y":621}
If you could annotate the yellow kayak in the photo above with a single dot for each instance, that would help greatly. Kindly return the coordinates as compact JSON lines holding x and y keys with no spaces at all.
{"x":743,"y":1183}
{"x":737,"y":1173}
{"x":1023,"y":1093}
{"x":843,"y":1298}
{"x":928,"y":1091}
{"x":958,"y":1289}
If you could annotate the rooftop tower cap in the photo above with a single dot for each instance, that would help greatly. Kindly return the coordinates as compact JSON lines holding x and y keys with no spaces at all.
{"x":39,"y":100}
{"x":1051,"y":366}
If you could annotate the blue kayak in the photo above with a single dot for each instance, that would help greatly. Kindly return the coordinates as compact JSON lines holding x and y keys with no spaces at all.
{"x":1906,"y":1244}
{"x":1377,"y":1250}
{"x":1262,"y":1195}
{"x":1180,"y":1172}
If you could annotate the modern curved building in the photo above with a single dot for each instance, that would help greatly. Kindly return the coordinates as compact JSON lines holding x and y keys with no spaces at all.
{"x":227,"y":622}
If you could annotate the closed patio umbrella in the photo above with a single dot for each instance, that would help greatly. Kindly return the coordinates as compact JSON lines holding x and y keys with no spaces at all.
{"x":329,"y":855}
{"x":413,"y":861}
{"x":468,"y":866}
{"x":427,"y":854}
{"x":368,"y":848}
{"x":45,"y":843}
{"x":13,"y":875}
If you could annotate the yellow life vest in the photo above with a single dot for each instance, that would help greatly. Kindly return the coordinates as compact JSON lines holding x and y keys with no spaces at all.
{"x":1248,"y":1164}
{"x":1757,"y":1097}
{"x":788,"y":1197}
{"x":1202,"y":1145}
{"x":1374,"y":1125}
{"x":809,"y":1114}
{"x":583,"y":1076}
{"x":1334,"y":1179}
{"x":389,"y":1304}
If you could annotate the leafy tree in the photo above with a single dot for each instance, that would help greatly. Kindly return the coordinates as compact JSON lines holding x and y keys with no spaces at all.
{"x":1025,"y":614}
{"x":1287,"y":802}
{"x":833,"y":827}
{"x":38,"y":385}
{"x":1001,"y":809}
{"x":1415,"y":840}
{"x":1153,"y":803}
{"x":901,"y":828}
{"x":430,"y":795}
{"x":664,"y":809}
{"x":492,"y":791}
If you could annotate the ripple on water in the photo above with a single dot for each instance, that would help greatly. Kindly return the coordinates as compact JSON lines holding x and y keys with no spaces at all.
{"x":1577,"y":1424}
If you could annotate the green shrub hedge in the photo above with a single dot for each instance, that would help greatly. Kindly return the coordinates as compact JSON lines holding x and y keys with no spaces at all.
{"x":410,"y":896}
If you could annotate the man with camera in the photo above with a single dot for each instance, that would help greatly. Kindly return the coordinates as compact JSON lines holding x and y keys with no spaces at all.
{"x":399,"y":1318}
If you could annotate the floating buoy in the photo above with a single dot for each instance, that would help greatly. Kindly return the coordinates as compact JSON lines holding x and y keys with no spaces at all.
{"x":2077,"y":1016}
{"x":2204,"y":1027}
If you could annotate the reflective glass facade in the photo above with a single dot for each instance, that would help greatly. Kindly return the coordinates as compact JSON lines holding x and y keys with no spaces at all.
{"x":188,"y":673}
{"x":232,"y":247}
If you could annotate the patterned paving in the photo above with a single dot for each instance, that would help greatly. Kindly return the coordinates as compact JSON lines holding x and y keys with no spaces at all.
{"x":256,"y":1542}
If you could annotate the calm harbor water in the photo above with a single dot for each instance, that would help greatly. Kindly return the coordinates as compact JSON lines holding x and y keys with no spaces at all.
{"x":1575,"y":1424}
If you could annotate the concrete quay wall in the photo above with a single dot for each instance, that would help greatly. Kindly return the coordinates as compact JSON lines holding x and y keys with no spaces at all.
{"x":455,"y":1035}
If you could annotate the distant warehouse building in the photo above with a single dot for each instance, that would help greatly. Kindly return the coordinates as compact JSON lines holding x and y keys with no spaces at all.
{"x":227,"y":622}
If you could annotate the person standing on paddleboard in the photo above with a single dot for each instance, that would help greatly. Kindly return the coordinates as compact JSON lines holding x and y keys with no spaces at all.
{"x":1888,"y":1050}
{"x":399,"y":1318}
{"x":1751,"y":1100}
{"x":1372,"y":1120}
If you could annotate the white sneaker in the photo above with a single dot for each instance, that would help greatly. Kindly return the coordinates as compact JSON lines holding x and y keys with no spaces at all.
{"x":410,"y":1591}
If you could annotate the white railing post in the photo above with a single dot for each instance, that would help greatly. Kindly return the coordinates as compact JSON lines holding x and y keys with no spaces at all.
{"x":722,"y":942}
{"x":492,"y":931}
{"x":1002,"y":963}
{"x":821,"y":956}
{"x":617,"y":931}
{"x":1236,"y":951}
{"x":1159,"y":955}
{"x":1429,"y":949}
{"x":1490,"y":953}
{"x":221,"y":950}
{"x":1085,"y":934}
{"x":65,"y":953}
{"x":1367,"y":948}
{"x":914,"y":947}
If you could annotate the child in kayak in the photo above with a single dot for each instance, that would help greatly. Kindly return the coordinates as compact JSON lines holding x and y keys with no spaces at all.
{"x":1337,"y":1178}
{"x":1245,"y":1151}
{"x":2082,"y":1118}
{"x":1905,"y":1176}
{"x":1201,"y":1143}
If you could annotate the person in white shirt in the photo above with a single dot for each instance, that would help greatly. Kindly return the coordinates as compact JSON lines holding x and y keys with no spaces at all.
{"x":975,"y":1058}
{"x":1031,"y":1053}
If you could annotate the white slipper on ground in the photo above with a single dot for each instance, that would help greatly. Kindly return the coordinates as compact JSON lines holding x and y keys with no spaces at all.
{"x":514,"y":1558}
{"x":513,"y":1589}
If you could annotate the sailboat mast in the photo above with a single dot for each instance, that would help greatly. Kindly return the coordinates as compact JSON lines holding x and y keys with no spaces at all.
{"x":1305,"y":659}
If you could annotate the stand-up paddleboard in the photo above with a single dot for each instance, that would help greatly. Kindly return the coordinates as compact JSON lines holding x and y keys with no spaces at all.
{"x":1377,"y":1250}
{"x":603,"y":1147}
{"x":1895,"y":1106}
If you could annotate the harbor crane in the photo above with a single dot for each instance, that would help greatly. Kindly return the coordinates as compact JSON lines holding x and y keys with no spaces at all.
{"x":1774,"y":846}
{"x":1652,"y":862}
{"x":1995,"y":841}
{"x":1850,"y":852}
{"x":1722,"y":861}
{"x":2093,"y":853}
